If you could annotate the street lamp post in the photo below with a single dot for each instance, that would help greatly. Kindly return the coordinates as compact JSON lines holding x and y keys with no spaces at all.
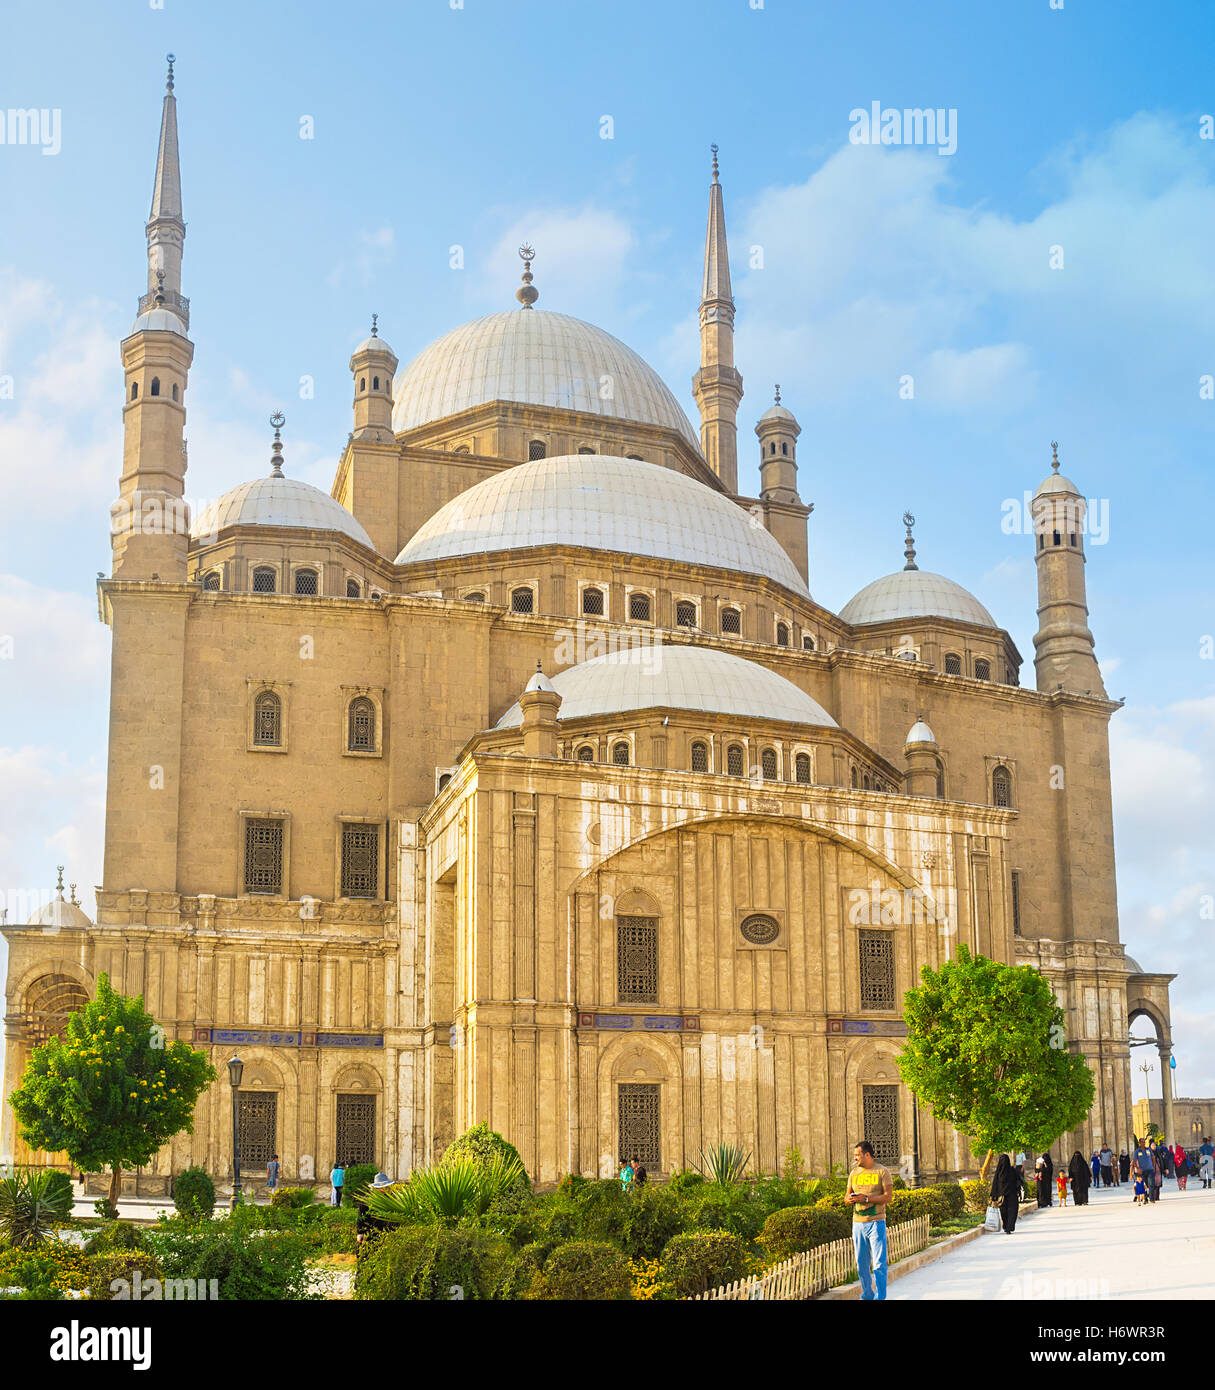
{"x":236,"y":1070}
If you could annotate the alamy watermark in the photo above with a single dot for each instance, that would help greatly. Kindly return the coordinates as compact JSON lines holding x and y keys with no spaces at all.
{"x":887,"y":125}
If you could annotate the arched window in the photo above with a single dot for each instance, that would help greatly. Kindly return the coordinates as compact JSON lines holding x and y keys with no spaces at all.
{"x":134,"y":390}
{"x":639,"y":608}
{"x":305,"y":582}
{"x":360,"y":726}
{"x":211,"y":582}
{"x":700,"y":757}
{"x":782,"y":634}
{"x":174,"y":390}
{"x":772,"y":450}
{"x":592,"y":602}
{"x":48,"y":1003}
{"x":801,"y":766}
{"x":807,"y":642}
{"x":375,"y":383}
{"x":1001,"y":787}
{"x":854,"y":777}
{"x":461,"y":449}
{"x":637,"y":960}
{"x":475,"y":597}
{"x":734,"y":760}
{"x":768,"y":762}
{"x":444,"y":778}
{"x":940,"y":780}
{"x":982,"y":670}
{"x":263,"y":580}
{"x":685,"y":613}
{"x":267,"y":720}
{"x":620,"y":754}
{"x":362,"y":383}
{"x":1058,"y":538}
{"x":953,"y":664}
{"x":586,"y":754}
{"x":536,"y":449}
{"x":352,"y":588}
{"x":635,"y":456}
{"x":784,"y":448}
{"x":582,"y":449}
{"x":867,"y":787}
{"x":522,"y":601}
{"x":155,"y":391}
{"x":731,"y":621}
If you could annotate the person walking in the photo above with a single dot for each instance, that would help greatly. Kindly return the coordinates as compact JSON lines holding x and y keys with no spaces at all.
{"x":1167,"y":1166}
{"x":1095,"y":1164}
{"x":272,"y":1175}
{"x":1141,"y":1165}
{"x":1182,"y":1161}
{"x":1154,"y":1175}
{"x":1042,"y":1181}
{"x":1124,"y":1167}
{"x":1081,"y":1175}
{"x":1006,"y":1193}
{"x":1050,"y":1176}
{"x":1106,"y":1155}
{"x":639,"y":1174}
{"x":1206,"y":1161}
{"x":869,"y":1188}
{"x":337,"y":1178}
{"x":626,"y":1175}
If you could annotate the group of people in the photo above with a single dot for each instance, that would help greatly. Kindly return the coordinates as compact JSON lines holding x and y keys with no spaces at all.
{"x":1146,"y":1166}
{"x":632,"y":1174}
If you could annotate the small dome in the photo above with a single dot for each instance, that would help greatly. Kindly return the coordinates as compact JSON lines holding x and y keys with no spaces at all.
{"x":374,"y":345}
{"x":602,"y":503}
{"x":1056,"y":483}
{"x":158,"y":321}
{"x":778,"y":412}
{"x":539,"y":682}
{"x":59,"y":913}
{"x":914,"y":594}
{"x":687,"y":678}
{"x":920,"y":733}
{"x":1134,"y":966}
{"x":278,"y":501}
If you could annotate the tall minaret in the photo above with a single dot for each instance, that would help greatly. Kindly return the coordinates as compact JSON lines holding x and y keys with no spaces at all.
{"x":1063,"y":642}
{"x":717,"y":386}
{"x":149,"y":523}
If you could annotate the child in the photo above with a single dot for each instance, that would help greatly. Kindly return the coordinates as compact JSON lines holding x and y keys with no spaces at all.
{"x":1061,"y":1181}
{"x":1140,"y":1192}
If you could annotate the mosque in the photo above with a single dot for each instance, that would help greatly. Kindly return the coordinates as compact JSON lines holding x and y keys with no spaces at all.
{"x":521,"y":778}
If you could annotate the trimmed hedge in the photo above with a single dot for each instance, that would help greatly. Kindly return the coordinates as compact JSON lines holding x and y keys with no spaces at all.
{"x":976,"y":1193}
{"x":702,"y":1260}
{"x":428,"y":1262}
{"x":955,"y":1198}
{"x":480,"y":1143}
{"x":793,"y":1229}
{"x":584,"y":1270}
{"x":194,"y":1193}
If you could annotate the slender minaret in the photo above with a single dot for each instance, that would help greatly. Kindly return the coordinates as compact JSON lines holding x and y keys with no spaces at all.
{"x":717,"y":386}
{"x":373,"y":363}
{"x":149,"y":523}
{"x":1064,"y":645}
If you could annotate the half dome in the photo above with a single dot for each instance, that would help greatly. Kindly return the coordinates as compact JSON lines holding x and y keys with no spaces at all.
{"x":534,"y":357}
{"x":914,"y":594}
{"x":603,"y":503}
{"x":278,"y":501}
{"x":687,"y":678}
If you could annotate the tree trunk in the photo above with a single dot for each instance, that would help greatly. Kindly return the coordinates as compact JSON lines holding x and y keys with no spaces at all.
{"x":986,"y":1165}
{"x":115,"y":1186}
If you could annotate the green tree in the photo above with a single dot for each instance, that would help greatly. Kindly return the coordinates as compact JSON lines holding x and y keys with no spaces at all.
{"x":986,"y":1052}
{"x":112,"y":1091}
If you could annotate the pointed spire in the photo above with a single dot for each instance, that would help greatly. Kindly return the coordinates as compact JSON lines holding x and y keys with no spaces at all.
{"x":166,"y":231}
{"x":909,"y":551}
{"x":278,"y":420}
{"x":716,"y":285}
{"x":717,"y":386}
{"x":527,"y":294}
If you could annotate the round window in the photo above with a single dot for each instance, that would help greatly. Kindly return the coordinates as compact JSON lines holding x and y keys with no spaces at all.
{"x":759,"y":929}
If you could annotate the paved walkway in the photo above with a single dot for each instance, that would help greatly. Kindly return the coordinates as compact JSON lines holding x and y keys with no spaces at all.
{"x":1108,"y":1249}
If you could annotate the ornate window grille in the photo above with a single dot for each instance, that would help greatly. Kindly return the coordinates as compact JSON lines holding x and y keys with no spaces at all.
{"x":586,"y":754}
{"x":1016,"y":901}
{"x":257,"y":1117}
{"x":360,"y":861}
{"x":592,"y":602}
{"x":877,"y":969}
{"x":48,"y":1002}
{"x":855,"y":781}
{"x":782,"y":634}
{"x":1001,"y":787}
{"x":982,"y":670}
{"x":620,"y":754}
{"x":639,"y":607}
{"x":731,"y":621}
{"x":211,"y":582}
{"x":880,"y":1117}
{"x":352,"y":588}
{"x":360,"y":733}
{"x":264,"y":580}
{"x":268,"y":720}
{"x":801,"y":767}
{"x":637,"y":960}
{"x":807,"y":642}
{"x":734,"y":760}
{"x":953,"y":664}
{"x":522,"y":600}
{"x":536,"y":449}
{"x":640,"y":1128}
{"x":768,"y":762}
{"x":356,"y":1132}
{"x":685,"y":614}
{"x":263,"y":856}
{"x":700,"y":757}
{"x":305,"y":582}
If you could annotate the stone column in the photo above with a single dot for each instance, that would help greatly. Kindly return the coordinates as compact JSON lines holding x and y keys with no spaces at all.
{"x":1166,"y":1085}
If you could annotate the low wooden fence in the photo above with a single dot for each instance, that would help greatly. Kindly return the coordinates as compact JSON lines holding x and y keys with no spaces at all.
{"x":815,"y":1271}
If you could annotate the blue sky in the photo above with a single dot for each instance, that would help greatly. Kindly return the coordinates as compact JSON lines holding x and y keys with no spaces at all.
{"x":480,"y":127}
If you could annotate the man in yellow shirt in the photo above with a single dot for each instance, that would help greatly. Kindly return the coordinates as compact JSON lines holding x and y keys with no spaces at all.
{"x":869,"y":1189}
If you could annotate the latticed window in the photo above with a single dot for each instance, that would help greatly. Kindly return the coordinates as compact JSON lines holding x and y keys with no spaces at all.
{"x":305,"y":582}
{"x":685,"y":614}
{"x":360,"y":861}
{"x":940,"y":780}
{"x":48,"y":1002}
{"x":263,"y":856}
{"x":1001,"y":787}
{"x":476,"y":597}
{"x":768,"y":762}
{"x":637,"y":960}
{"x":854,"y":777}
{"x":880,"y":1118}
{"x":257,"y":1120}
{"x":639,"y":607}
{"x":801,"y":767}
{"x":782,"y":634}
{"x":263,"y":580}
{"x":356,"y":1132}
{"x":268,"y":720}
{"x":734,"y":760}
{"x":877,"y":969}
{"x":700,"y":757}
{"x":360,"y":733}
{"x":953,"y":664}
{"x":640,"y":1125}
{"x":731,"y":620}
{"x":807,"y":642}
{"x":211,"y":582}
{"x":620,"y":754}
{"x":586,"y":754}
{"x":1016,"y":902}
{"x":522,"y":601}
{"x":592,"y":602}
{"x":352,"y":588}
{"x":536,"y":449}
{"x":982,"y":670}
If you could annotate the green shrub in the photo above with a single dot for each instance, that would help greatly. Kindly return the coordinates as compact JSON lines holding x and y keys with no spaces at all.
{"x":836,"y":1203}
{"x":359,"y":1176}
{"x":897,"y":1183}
{"x":570,"y":1184}
{"x":35,"y":1274}
{"x":686,"y":1180}
{"x":31,"y":1205}
{"x":700,"y":1260}
{"x":248,"y":1261}
{"x":976,"y":1194}
{"x":654,"y":1215}
{"x":60,"y":1191}
{"x":521,"y":1275}
{"x":584,"y":1270}
{"x":481,"y":1144}
{"x":113,"y":1237}
{"x":601,"y":1208}
{"x":194,"y":1193}
{"x":955,"y":1198}
{"x":794,"y":1229}
{"x":103,"y":1270}
{"x":732,"y":1209}
{"x":427,"y":1262}
{"x":293,"y":1198}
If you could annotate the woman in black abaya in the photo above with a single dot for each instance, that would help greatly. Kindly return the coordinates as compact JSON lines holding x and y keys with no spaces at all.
{"x":1081,"y":1175}
{"x":1006,"y":1190}
{"x":1043,"y":1179}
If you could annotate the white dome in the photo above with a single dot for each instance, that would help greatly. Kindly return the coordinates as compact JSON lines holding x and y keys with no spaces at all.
{"x":920,"y":733}
{"x":59,"y":913}
{"x":158,"y":321}
{"x":688,"y":678}
{"x":539,"y":682}
{"x":1056,"y":482}
{"x":603,"y":503}
{"x":536,"y":358}
{"x":778,"y":412}
{"x":278,"y":501}
{"x":373,"y":345}
{"x":914,"y":594}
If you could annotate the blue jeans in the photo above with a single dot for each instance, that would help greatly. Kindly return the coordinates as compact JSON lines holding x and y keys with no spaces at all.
{"x":869,"y":1242}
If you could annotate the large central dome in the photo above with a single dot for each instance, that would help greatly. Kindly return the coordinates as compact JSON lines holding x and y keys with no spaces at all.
{"x":603,"y":503}
{"x":536,"y":358}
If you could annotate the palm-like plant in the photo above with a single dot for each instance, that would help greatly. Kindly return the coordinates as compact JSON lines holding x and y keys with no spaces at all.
{"x":724,"y":1164}
{"x":31,"y":1204}
{"x":448,"y":1193}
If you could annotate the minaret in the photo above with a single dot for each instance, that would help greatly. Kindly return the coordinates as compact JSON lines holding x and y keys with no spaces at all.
{"x":1063,"y":642}
{"x":149,"y":523}
{"x":717,"y":386}
{"x":373,"y":363}
{"x":778,"y":430}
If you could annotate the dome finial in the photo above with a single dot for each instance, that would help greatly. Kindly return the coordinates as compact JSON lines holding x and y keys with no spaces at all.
{"x":909,"y":549}
{"x":160,"y":287}
{"x":714,"y":149}
{"x":59,"y":885}
{"x":169,"y":58}
{"x":375,"y":332}
{"x":278,"y":420}
{"x":527,"y":294}
{"x":1054,"y":455}
{"x":778,"y":393}
{"x":75,"y":900}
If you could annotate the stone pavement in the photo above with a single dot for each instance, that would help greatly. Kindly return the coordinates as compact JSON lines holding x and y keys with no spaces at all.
{"x":1109,"y":1249}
